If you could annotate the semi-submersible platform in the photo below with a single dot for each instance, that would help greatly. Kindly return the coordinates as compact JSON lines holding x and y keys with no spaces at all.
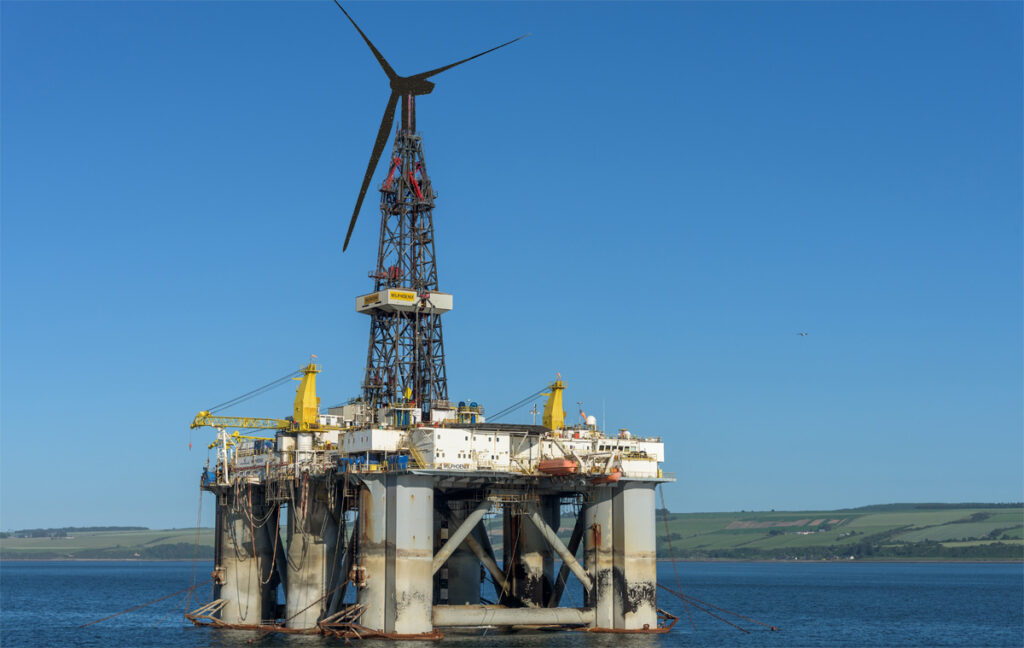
{"x":388,"y":515}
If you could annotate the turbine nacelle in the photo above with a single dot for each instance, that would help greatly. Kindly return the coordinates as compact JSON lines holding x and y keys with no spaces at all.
{"x":401,"y":86}
{"x":411,"y":86}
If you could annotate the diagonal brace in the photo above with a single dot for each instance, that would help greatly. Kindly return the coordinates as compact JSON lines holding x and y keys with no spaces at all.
{"x":445,"y":552}
{"x":563,"y":572}
{"x":560,"y":549}
{"x":487,"y":562}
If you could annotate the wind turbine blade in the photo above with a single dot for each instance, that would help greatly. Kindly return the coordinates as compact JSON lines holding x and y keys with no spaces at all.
{"x":427,"y":75}
{"x":378,"y":147}
{"x":380,"y":57}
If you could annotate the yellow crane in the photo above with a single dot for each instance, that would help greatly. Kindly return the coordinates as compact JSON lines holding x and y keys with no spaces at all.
{"x":305,"y":419}
{"x":233,"y":439}
{"x":554,"y":415}
{"x":306,"y":414}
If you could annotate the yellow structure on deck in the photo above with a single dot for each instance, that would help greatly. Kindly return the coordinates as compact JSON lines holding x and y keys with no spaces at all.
{"x":204,"y":419}
{"x":235,"y":438}
{"x":307,"y":403}
{"x":554,"y":415}
{"x":306,"y":416}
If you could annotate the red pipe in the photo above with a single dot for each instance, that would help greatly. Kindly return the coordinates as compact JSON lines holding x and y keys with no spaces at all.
{"x":391,"y":174}
{"x":415,"y":185}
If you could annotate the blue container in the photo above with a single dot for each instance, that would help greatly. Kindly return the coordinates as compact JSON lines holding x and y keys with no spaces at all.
{"x":398,"y":462}
{"x":351,"y":463}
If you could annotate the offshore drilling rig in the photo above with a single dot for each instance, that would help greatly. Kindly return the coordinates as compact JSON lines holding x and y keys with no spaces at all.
{"x":385,"y":516}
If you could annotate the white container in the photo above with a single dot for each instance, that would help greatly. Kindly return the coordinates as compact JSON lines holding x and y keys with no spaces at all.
{"x":305,"y":447}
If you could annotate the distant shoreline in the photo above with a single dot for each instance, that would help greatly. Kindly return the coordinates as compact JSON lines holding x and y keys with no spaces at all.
{"x":1000,"y":561}
{"x":183,"y":560}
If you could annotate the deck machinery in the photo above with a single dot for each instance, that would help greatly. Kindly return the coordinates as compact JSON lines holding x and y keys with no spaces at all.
{"x":387,"y":516}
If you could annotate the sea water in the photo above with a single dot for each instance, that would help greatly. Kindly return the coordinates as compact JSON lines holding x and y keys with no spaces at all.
{"x":811,"y":604}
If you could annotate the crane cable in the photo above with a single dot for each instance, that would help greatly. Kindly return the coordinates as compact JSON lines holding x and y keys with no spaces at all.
{"x":256,"y":392}
{"x":517,"y":405}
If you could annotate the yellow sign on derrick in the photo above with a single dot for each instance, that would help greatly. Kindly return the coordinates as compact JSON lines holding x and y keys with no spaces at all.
{"x":403,"y":299}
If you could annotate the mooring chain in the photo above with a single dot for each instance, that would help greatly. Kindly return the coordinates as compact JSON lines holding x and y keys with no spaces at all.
{"x":697,"y":603}
{"x":285,"y":623}
{"x":672,"y":553}
{"x":136,"y":607}
{"x":195,"y":551}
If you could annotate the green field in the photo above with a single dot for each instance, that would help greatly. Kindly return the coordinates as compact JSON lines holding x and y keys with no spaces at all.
{"x":148,"y":544}
{"x":906,"y":531}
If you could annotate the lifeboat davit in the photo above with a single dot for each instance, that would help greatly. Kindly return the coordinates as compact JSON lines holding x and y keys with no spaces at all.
{"x":557,"y":466}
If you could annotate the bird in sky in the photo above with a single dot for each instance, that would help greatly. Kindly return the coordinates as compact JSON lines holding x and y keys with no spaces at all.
{"x":802,"y":334}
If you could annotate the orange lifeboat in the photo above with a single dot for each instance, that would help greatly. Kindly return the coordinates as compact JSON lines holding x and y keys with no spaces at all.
{"x":610,"y":478}
{"x":557,"y":466}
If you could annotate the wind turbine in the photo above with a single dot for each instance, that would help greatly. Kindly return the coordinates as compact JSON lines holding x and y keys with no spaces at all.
{"x":404,"y":87}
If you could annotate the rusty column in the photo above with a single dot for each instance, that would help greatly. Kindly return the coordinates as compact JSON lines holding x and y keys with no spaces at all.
{"x":371,"y":563}
{"x":410,"y":553}
{"x":635,"y":567}
{"x":533,"y":560}
{"x":243,"y":574}
{"x":597,"y":555}
{"x":313,"y":568}
{"x":459,"y":576}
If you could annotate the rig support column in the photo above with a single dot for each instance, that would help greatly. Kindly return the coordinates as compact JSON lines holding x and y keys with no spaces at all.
{"x":371,"y":563}
{"x":460,"y":565}
{"x":410,"y":551}
{"x":533,"y":572}
{"x":597,"y":552}
{"x":314,"y":569}
{"x":635,"y":571}
{"x":244,"y":559}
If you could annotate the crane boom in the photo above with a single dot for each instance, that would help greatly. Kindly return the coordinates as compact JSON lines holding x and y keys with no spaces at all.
{"x":306,"y":411}
{"x":205,"y":419}
{"x":232,"y":439}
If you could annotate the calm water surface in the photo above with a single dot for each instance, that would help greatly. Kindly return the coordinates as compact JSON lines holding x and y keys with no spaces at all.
{"x":813,"y":604}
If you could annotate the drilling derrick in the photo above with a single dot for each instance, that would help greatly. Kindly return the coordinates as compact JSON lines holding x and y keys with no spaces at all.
{"x":405,"y":358}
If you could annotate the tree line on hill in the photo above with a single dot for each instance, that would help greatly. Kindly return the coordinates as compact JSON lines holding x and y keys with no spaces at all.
{"x":935,"y":506}
{"x":873,"y":547}
{"x":62,"y":532}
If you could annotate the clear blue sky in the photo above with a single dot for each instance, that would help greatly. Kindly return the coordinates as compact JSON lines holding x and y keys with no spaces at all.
{"x":652,"y":199}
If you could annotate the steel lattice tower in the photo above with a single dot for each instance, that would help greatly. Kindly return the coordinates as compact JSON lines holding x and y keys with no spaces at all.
{"x":405,"y":358}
